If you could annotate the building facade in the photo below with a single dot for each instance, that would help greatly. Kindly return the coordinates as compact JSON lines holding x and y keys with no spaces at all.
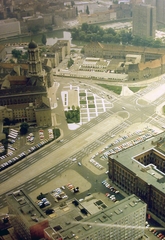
{"x":144,"y":20}
{"x":152,"y":60}
{"x":140,"y":170}
{"x":24,"y":90}
{"x":123,"y":219}
{"x":9,"y":28}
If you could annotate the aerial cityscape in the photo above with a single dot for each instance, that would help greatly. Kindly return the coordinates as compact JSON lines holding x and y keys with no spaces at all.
{"x":82,"y":119}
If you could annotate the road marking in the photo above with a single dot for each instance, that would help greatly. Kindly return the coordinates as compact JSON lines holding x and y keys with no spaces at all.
{"x":41,"y":175}
{"x":31,"y":181}
{"x":43,"y":182}
{"x":14,"y":172}
{"x":31,"y":189}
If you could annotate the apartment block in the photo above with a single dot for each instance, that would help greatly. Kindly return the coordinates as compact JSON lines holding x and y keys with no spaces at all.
{"x":9,"y":28}
{"x":144,"y":20}
{"x":124,"y":219}
{"x":140,"y":170}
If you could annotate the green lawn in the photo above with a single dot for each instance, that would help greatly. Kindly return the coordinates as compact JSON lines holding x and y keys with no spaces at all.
{"x":135,"y":89}
{"x":115,"y":89}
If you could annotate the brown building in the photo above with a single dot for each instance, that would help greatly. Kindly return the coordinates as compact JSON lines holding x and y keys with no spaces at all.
{"x":141,"y":170}
{"x":24,"y":90}
{"x":58,"y":52}
{"x":152,"y":61}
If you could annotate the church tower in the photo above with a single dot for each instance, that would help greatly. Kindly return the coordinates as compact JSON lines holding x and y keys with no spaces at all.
{"x":34,"y":62}
{"x":36,"y":75}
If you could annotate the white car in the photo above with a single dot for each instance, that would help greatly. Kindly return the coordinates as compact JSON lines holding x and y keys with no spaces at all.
{"x":81,"y":199}
{"x":79,"y":163}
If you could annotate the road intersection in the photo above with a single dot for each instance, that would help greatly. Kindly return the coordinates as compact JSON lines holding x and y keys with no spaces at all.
{"x":53,"y":160}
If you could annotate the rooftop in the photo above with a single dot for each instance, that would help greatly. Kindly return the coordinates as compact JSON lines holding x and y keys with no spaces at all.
{"x":150,"y":173}
{"x":70,"y":226}
{"x":25,"y":207}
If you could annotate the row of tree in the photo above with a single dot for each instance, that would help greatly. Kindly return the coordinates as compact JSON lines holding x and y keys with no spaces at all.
{"x":94,"y":33}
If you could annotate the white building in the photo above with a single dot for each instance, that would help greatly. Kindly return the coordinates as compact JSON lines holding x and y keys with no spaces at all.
{"x":9,"y":27}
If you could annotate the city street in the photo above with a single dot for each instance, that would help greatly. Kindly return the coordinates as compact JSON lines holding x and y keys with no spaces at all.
{"x":53,"y":165}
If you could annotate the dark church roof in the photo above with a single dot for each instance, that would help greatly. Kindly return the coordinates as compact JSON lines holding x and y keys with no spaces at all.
{"x":32,"y":45}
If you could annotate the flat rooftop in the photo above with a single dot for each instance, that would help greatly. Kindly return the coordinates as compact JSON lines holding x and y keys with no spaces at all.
{"x":25,"y":207}
{"x":80,"y":227}
{"x":150,"y":173}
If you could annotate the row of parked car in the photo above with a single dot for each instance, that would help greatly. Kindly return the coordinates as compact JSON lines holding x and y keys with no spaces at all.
{"x":112,"y":197}
{"x":22,"y":155}
{"x":96,"y":164}
{"x":107,"y":185}
{"x":157,"y":233}
{"x":125,"y":145}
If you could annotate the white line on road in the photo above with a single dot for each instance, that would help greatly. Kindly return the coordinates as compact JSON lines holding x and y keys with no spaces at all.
{"x":43,"y":182}
{"x":41,"y":175}
{"x":31,"y":181}
{"x":31,"y":189}
{"x":52,"y":176}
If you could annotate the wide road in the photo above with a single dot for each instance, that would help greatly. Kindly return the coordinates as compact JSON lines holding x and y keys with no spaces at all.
{"x":52,"y":160}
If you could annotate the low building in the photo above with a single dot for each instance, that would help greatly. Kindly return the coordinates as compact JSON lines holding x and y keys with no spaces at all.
{"x":94,"y":64}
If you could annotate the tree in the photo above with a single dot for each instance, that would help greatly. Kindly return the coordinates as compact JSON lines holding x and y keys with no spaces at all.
{"x":70,"y":62}
{"x":6,"y":121}
{"x":43,"y":39}
{"x":24,"y":128}
{"x":87,"y":10}
{"x":34,"y":29}
{"x":84,"y":27}
{"x":16,"y":53}
{"x":72,"y":3}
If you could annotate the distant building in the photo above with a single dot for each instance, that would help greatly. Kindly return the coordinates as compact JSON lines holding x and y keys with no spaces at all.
{"x":97,"y":17}
{"x":140,"y":170}
{"x":9,"y":28}
{"x":160,"y":12}
{"x":151,"y":62}
{"x":144,"y":20}
{"x":57,"y":53}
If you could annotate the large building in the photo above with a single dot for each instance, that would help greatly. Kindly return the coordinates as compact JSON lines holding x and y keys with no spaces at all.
{"x":151,"y":60}
{"x":144,"y":20}
{"x":124,"y":219}
{"x":9,"y":28}
{"x":23,"y":92}
{"x":26,"y":217}
{"x":140,"y":170}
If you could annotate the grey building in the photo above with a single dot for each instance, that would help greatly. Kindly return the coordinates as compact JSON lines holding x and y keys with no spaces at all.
{"x":125,"y":219}
{"x":140,"y":170}
{"x":144,"y":20}
{"x":9,"y":28}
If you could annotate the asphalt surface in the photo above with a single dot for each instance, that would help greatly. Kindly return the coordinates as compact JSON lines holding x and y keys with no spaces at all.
{"x":51,"y":161}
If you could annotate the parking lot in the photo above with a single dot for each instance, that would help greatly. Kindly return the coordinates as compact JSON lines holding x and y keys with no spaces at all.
{"x":21,"y":146}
